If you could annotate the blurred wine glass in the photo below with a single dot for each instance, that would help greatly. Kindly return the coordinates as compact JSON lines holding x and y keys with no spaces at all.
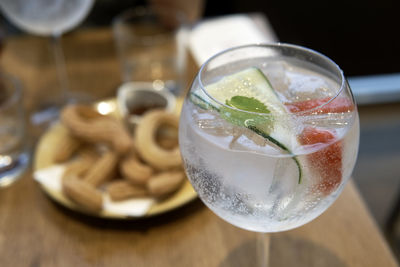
{"x":49,"y":18}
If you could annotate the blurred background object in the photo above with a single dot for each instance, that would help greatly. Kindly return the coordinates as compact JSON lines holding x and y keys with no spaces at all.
{"x":48,"y":18}
{"x":360,"y":36}
{"x":151,"y":46}
{"x":14,"y":154}
{"x":193,"y":9}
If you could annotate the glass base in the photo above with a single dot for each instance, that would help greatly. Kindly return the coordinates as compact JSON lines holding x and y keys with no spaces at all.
{"x":47,"y":114}
{"x":14,"y":170}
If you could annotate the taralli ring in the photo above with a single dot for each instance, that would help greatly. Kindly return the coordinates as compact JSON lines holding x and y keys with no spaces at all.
{"x":87,"y":124}
{"x":145,"y":140}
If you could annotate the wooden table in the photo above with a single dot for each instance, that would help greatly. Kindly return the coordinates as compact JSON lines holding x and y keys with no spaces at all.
{"x":34,"y":231}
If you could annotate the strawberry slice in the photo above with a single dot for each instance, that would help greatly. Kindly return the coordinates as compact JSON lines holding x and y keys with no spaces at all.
{"x":337,"y":105}
{"x":327,"y":162}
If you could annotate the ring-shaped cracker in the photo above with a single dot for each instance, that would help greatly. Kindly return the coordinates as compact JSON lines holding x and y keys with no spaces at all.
{"x":89,"y":125}
{"x":145,"y":140}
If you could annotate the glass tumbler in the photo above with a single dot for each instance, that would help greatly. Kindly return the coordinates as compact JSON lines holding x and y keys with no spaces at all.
{"x":14,"y":154}
{"x":151,"y":47}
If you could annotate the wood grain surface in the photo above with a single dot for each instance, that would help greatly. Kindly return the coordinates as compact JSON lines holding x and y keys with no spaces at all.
{"x":35,"y":231}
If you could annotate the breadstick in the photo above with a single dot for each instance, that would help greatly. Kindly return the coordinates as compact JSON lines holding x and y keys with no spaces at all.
{"x":121,"y":190}
{"x":133,"y":170}
{"x":83,"y":194}
{"x":88,"y":152}
{"x":102,"y":169}
{"x":67,"y":146}
{"x":165,"y":183}
{"x":79,"y":166}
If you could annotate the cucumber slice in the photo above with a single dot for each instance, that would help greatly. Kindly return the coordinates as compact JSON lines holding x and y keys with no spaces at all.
{"x":253,"y":84}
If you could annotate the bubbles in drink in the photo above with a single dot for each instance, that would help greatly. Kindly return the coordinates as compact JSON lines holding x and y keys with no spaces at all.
{"x":304,"y":87}
{"x":277,"y":75}
{"x":272,"y":181}
{"x":335,"y":121}
{"x":296,"y":84}
{"x":212,"y":123}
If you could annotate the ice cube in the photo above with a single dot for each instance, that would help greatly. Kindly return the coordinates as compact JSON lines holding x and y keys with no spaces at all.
{"x":304,"y":87}
{"x":285,"y":186}
{"x":246,"y":140}
{"x":276,"y":74}
{"x":212,"y":123}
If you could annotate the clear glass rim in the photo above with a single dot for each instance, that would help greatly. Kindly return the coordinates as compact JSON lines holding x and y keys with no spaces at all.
{"x":145,"y":11}
{"x":16,"y":93}
{"x":275,"y":45}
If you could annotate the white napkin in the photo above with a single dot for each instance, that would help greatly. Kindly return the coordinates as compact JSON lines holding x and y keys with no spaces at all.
{"x":51,"y":179}
{"x":214,"y":35}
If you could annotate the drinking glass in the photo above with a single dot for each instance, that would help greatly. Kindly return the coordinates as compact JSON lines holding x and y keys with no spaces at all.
{"x":269,"y":135}
{"x":14,"y":154}
{"x":150,"y":43}
{"x":49,"y":18}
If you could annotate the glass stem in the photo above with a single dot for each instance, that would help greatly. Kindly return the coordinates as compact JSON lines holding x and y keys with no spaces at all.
{"x":60,"y":67}
{"x":263,"y":248}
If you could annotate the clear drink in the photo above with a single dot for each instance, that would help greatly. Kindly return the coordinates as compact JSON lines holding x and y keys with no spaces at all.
{"x":275,"y":171}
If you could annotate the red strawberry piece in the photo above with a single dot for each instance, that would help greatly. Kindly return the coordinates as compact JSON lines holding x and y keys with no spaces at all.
{"x":337,"y":105}
{"x":327,"y":162}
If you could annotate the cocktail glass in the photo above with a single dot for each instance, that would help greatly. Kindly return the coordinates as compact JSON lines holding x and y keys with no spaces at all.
{"x":269,"y":136}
